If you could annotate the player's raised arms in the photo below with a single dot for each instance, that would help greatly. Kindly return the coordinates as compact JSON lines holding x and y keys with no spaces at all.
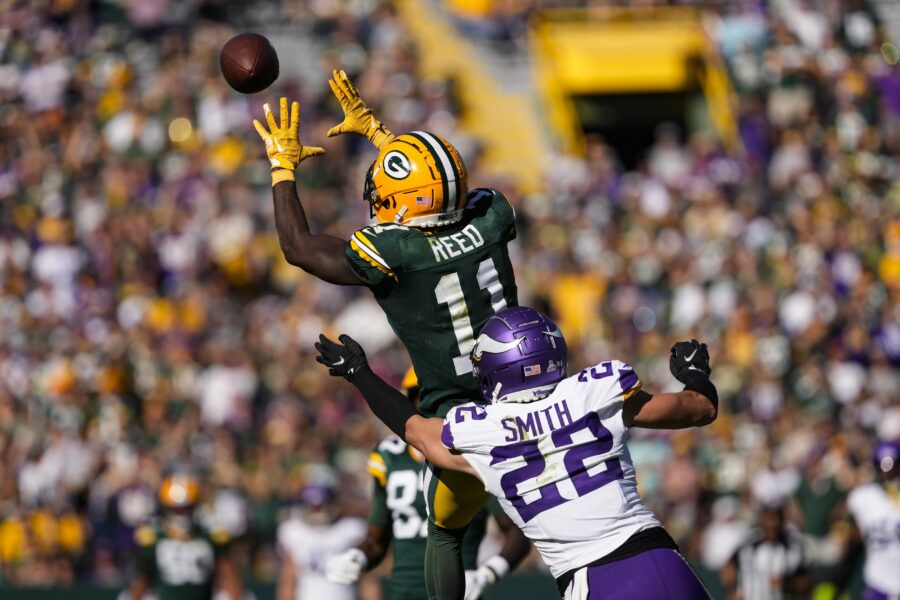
{"x":695,"y":406}
{"x":321,"y":255}
{"x":552,"y":449}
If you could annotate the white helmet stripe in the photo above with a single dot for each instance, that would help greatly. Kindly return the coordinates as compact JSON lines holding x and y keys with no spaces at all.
{"x":486,"y":343}
{"x":447,"y":162}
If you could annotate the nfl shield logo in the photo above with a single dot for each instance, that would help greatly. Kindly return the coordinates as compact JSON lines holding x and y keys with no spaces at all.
{"x":532,"y":370}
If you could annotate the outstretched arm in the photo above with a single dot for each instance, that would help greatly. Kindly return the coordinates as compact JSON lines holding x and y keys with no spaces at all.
{"x":348,"y":360}
{"x":425,"y":436}
{"x":676,"y":410}
{"x":319,"y":255}
{"x":695,"y":406}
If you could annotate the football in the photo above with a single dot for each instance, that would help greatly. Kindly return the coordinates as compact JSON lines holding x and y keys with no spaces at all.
{"x":249,"y":63}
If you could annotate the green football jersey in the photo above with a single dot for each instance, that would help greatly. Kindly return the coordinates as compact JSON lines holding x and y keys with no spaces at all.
{"x":398,"y":503}
{"x":179,"y":569}
{"x":438,"y":288}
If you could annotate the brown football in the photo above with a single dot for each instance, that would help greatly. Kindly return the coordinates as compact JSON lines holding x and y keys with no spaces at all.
{"x":249,"y":63}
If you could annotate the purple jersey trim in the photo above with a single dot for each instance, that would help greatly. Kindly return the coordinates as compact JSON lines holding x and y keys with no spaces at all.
{"x":447,"y":436}
{"x":627,"y":379}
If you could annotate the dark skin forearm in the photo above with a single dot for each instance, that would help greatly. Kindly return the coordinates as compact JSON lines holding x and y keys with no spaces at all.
{"x":516,"y":546}
{"x":375,"y":546}
{"x":320,"y":255}
{"x":228,"y":579}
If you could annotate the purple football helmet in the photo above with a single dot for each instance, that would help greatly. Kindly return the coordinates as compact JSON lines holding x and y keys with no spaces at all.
{"x":887,"y":457}
{"x":519,"y":356}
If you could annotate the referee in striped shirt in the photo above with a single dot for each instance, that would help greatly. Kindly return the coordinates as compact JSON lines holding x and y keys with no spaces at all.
{"x":770,"y":565}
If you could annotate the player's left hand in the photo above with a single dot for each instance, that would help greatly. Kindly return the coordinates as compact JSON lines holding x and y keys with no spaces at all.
{"x":344,"y":359}
{"x":689,"y":359}
{"x":478,"y":580}
{"x":282,"y":141}
{"x":358,"y":118}
{"x":346,"y":567}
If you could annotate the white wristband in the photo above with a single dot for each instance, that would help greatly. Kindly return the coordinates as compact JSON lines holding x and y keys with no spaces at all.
{"x":498,"y":565}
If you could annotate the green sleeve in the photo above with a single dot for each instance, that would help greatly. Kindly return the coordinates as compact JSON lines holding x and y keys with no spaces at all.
{"x":379,"y":515}
{"x":374,"y":255}
{"x":493,"y":213}
{"x":505,"y":214}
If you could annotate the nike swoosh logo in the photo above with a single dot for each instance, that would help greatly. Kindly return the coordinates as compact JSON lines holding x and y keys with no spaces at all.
{"x":691,"y":357}
{"x":340,"y":362}
{"x":486,"y":343}
{"x":277,"y":145}
{"x":555,"y":333}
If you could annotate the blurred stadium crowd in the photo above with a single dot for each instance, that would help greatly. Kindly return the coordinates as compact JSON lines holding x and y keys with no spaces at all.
{"x":147,"y":317}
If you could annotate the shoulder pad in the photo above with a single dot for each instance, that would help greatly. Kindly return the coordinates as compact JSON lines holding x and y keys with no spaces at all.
{"x":478,"y":195}
{"x":145,"y":535}
{"x":377,"y":467}
{"x":466,"y":428}
{"x":613,"y":370}
{"x":378,"y":247}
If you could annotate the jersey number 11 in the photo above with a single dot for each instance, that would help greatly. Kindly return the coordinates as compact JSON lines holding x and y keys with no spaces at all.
{"x":449,"y":292}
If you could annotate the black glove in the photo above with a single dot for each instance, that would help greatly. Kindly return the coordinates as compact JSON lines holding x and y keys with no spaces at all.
{"x":689,"y":364}
{"x":344,"y":359}
{"x":688,"y":360}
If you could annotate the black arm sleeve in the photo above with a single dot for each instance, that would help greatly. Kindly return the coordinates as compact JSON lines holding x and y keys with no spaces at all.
{"x":390,"y":405}
{"x":702,"y":385}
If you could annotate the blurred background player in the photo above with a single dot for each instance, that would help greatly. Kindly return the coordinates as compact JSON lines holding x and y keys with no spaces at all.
{"x":875,"y":508}
{"x":314,"y":533}
{"x":398,"y":520}
{"x":178,"y":559}
{"x":438,"y":264}
{"x":552,"y":448}
{"x":771,"y":564}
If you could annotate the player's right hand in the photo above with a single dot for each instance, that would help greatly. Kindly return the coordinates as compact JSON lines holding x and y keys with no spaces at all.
{"x":689,"y":359}
{"x":344,"y":359}
{"x":346,"y":567}
{"x":358,"y":118}
{"x":282,"y":141}
{"x":477,"y":580}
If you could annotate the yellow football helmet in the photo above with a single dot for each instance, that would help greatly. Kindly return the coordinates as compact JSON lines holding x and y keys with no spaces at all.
{"x":181,"y":490}
{"x":418,"y":180}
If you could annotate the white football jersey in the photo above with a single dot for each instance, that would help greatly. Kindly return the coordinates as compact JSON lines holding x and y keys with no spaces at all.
{"x":310,"y":547}
{"x":559,"y":466}
{"x":878,"y":518}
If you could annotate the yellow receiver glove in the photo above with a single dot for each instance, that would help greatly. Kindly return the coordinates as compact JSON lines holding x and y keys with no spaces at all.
{"x":358,"y":118}
{"x":283,"y":145}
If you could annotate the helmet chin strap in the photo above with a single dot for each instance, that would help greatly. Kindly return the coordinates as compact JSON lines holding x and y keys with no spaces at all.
{"x":496,"y":393}
{"x":399,"y":217}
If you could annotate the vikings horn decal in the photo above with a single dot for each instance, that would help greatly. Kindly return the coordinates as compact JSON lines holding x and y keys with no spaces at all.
{"x":486,"y":343}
